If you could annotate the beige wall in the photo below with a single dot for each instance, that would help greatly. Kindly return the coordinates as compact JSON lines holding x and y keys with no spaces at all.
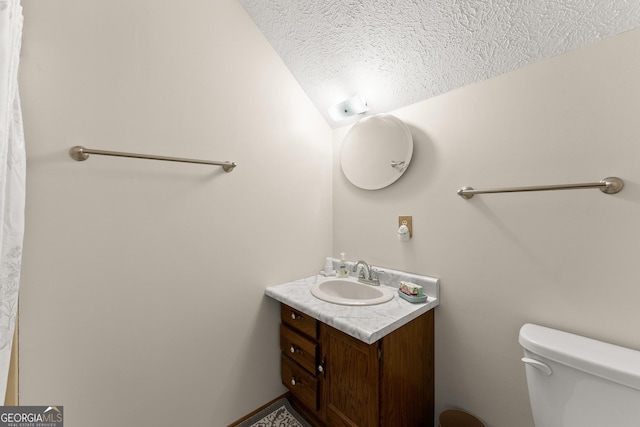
{"x":568,"y":259}
{"x":142,"y":295}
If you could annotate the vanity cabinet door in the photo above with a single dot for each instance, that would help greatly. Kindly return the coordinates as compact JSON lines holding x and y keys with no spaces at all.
{"x":351,"y":388}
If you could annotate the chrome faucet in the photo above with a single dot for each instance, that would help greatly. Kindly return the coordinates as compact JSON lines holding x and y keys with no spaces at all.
{"x":367,"y":274}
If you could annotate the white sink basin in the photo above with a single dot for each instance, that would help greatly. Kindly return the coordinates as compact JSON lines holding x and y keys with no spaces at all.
{"x":350,"y":292}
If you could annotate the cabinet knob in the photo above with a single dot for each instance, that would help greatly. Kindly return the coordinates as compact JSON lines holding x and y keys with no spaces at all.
{"x":293,"y":381}
{"x":293,"y":316}
{"x":292,"y":349}
{"x":320,"y":368}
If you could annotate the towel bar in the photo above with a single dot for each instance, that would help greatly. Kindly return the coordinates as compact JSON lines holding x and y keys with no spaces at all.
{"x":609,"y":185}
{"x":80,"y":153}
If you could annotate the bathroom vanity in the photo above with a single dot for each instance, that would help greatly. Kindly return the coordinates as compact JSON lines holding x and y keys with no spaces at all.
{"x":357,"y":366}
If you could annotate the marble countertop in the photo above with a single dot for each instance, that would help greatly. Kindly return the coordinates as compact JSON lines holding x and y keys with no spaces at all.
{"x":366,"y":323}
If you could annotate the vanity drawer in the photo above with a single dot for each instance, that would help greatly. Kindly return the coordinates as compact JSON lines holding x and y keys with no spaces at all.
{"x":299,"y":348}
{"x":299,"y":321}
{"x":302,"y":384}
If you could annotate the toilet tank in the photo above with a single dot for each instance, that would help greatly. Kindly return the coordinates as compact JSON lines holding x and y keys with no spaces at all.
{"x":575,"y":381}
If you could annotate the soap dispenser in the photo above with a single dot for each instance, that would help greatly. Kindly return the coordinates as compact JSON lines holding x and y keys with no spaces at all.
{"x":343,"y":271}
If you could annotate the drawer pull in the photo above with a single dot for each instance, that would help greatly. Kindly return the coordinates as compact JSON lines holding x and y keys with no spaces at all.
{"x":294,"y":349}
{"x":320,"y":368}
{"x":295,"y":381}
{"x":295,"y":316}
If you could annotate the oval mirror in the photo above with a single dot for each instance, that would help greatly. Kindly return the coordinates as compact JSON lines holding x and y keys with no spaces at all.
{"x":376,"y":151}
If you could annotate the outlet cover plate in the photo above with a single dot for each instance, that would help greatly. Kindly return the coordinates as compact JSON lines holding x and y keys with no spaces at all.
{"x":409,"y":221}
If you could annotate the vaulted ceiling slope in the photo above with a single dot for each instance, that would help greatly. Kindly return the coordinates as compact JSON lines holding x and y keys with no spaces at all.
{"x":398,"y":52}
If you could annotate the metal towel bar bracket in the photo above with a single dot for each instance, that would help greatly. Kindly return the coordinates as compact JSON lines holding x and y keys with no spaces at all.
{"x":609,"y":185}
{"x":80,"y":153}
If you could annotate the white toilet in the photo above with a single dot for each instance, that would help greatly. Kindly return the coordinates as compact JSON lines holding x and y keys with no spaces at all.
{"x":580,"y":382}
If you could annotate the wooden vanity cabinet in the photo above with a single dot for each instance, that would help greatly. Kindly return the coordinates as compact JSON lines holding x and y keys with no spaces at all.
{"x":353,"y":384}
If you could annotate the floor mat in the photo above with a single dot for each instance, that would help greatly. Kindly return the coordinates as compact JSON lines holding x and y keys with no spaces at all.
{"x":278,"y":414}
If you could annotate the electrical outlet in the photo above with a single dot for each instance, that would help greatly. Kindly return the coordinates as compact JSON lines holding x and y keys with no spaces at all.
{"x":408,"y":219}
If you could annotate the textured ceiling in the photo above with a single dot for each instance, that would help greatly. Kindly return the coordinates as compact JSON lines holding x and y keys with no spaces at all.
{"x":398,"y":52}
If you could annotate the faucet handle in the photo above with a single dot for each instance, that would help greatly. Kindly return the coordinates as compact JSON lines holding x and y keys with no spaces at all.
{"x":374,"y":274}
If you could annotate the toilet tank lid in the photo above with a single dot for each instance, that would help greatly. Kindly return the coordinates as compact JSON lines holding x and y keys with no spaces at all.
{"x":609,"y":361}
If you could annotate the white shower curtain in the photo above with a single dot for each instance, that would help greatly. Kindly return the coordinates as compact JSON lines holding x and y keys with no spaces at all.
{"x":12,"y":180}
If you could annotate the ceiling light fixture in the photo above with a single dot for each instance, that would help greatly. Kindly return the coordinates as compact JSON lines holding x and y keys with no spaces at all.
{"x":349,"y":107}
